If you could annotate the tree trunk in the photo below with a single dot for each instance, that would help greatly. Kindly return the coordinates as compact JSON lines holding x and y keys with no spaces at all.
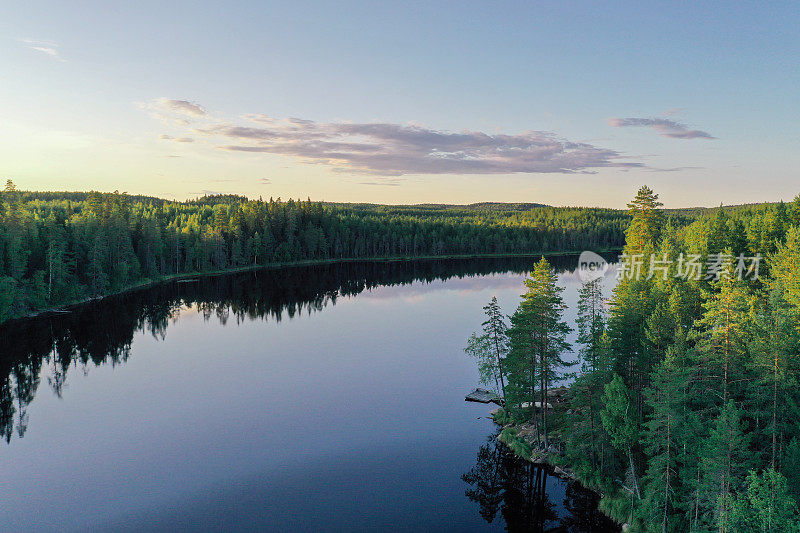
{"x":499,"y":363}
{"x":666,"y":484}
{"x":774,"y":409}
{"x":633,"y":474}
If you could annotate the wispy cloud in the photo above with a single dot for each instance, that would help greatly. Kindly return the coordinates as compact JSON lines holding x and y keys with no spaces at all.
{"x":180,"y":106}
{"x":49,"y":48}
{"x":265,"y":181}
{"x":663,"y":126}
{"x":674,"y":111}
{"x":176,"y":139}
{"x":386,"y":149}
{"x":178,"y":113}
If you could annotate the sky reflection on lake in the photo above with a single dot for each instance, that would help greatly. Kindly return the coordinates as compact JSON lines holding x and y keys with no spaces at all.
{"x":192,"y":406}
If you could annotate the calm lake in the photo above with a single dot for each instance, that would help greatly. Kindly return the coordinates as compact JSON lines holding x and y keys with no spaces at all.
{"x":309,"y":398}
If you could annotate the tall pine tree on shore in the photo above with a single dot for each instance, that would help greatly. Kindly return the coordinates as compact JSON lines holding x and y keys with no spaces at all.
{"x":537,"y":339}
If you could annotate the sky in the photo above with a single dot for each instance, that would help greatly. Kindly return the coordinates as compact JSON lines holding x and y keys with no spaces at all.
{"x":563,"y":103}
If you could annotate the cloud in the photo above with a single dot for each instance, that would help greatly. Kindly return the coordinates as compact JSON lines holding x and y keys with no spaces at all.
{"x":665,"y":127}
{"x":49,"y":48}
{"x":265,"y":181}
{"x":674,"y":111}
{"x":184,"y":107}
{"x":175,"y":113}
{"x":386,"y":149}
{"x":176,"y":139}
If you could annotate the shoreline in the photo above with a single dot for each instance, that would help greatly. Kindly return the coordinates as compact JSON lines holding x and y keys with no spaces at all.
{"x":149,"y":283}
{"x":542,"y":457}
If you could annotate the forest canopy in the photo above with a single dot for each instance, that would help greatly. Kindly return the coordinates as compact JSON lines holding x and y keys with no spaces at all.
{"x":62,"y":247}
{"x":684,"y":410}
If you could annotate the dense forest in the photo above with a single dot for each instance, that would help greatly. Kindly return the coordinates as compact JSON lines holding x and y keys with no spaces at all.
{"x":57,"y":248}
{"x":684,"y":410}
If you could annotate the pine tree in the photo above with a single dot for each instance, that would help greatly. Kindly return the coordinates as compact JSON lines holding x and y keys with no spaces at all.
{"x":644,"y":231}
{"x":496,"y":330}
{"x":633,"y":299}
{"x":667,"y":432}
{"x":591,"y":323}
{"x":774,"y":361}
{"x":491,"y":346}
{"x":724,"y":461}
{"x":724,"y":328}
{"x":537,"y":339}
{"x":584,"y":430}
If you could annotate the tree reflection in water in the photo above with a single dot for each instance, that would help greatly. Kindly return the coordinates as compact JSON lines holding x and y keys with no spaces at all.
{"x":101,"y":332}
{"x":518,"y":490}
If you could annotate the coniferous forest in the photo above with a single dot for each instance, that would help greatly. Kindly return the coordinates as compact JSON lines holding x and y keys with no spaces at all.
{"x":58,"y":248}
{"x":683,"y":408}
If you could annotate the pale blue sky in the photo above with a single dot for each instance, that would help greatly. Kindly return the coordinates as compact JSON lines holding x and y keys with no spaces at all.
{"x":91,"y":99}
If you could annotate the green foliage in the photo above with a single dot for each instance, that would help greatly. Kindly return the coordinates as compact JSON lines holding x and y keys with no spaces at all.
{"x":516,"y":444}
{"x":91,"y":244}
{"x":723,"y":329}
{"x":489,"y":348}
{"x":591,"y":324}
{"x":9,"y":298}
{"x":537,"y":338}
{"x":647,"y":220}
{"x":691,"y":382}
{"x":724,"y":458}
{"x":618,"y":414}
{"x":502,"y":417}
{"x":618,"y":505}
{"x":765,"y":505}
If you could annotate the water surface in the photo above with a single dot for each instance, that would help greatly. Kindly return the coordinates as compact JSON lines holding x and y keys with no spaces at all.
{"x":327,"y":397}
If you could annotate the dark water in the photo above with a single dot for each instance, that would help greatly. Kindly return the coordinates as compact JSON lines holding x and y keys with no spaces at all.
{"x":319,"y":398}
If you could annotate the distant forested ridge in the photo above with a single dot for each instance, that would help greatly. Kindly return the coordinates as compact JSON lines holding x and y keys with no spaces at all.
{"x":62,"y":247}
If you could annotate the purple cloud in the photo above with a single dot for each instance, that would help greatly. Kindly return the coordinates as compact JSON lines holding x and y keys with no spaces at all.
{"x":176,"y":139}
{"x":664,"y":127}
{"x":394,"y":149}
